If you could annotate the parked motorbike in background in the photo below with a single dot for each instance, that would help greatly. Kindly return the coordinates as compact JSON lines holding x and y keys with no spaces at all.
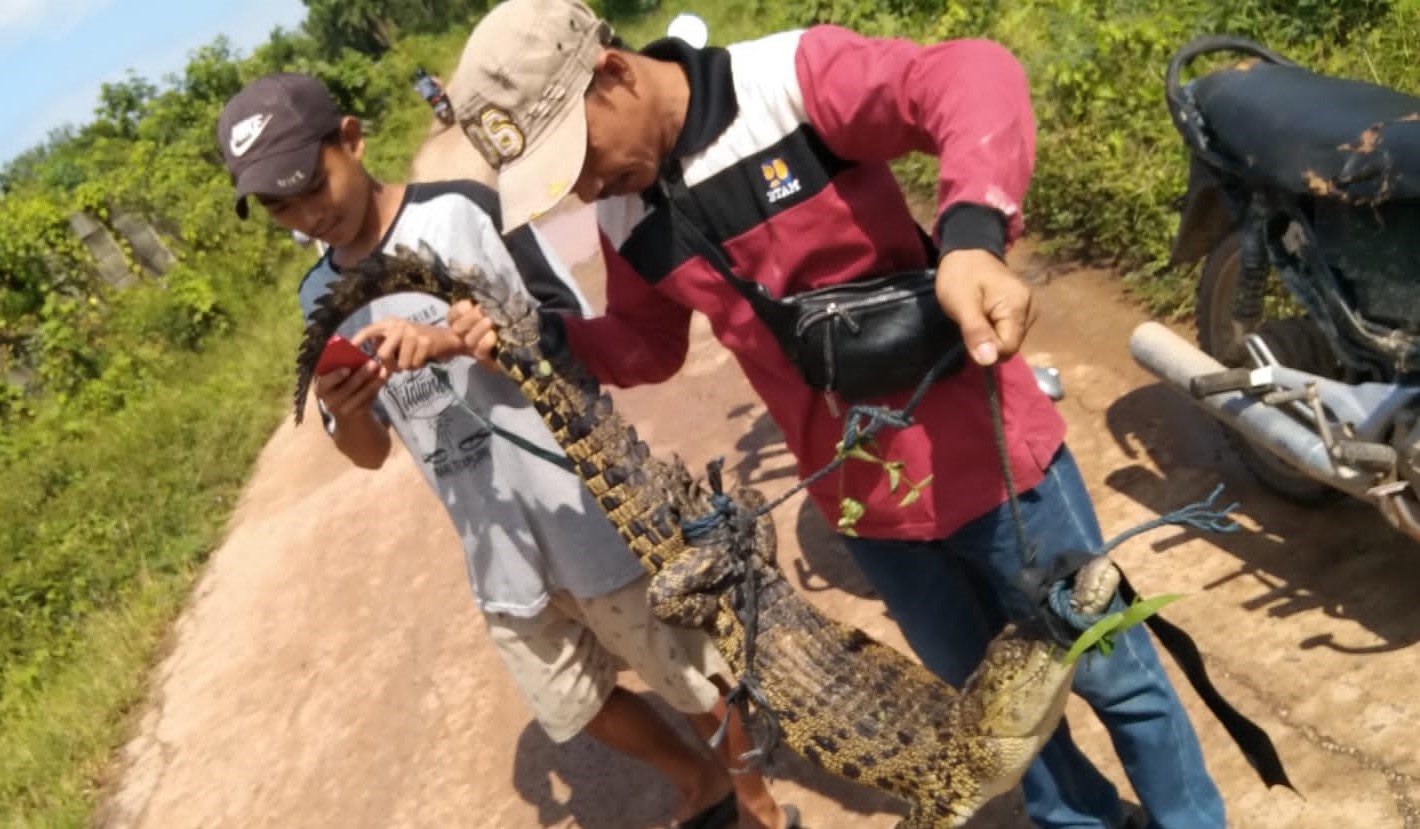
{"x":1303,"y":202}
{"x":433,"y":94}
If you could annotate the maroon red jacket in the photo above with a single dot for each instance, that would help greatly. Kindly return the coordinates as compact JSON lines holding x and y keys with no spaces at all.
{"x":784,"y":152}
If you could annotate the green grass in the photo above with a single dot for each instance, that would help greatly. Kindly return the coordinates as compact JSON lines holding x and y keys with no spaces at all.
{"x":161,"y":476}
{"x":144,"y":497}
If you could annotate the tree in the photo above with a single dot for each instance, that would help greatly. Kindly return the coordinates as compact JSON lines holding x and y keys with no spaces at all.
{"x":283,"y":52}
{"x":367,"y":26}
{"x":123,"y":104}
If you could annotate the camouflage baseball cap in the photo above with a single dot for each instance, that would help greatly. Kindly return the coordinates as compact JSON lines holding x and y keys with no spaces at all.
{"x":521,"y":85}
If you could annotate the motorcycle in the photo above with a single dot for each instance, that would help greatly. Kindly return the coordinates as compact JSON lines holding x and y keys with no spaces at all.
{"x":433,"y":94}
{"x":1308,"y":183}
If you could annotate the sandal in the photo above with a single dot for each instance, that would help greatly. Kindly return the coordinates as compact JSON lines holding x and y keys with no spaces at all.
{"x":791,"y":816}
{"x":719,"y":816}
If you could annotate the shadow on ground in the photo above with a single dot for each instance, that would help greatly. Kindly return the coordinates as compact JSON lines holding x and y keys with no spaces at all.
{"x":1349,"y":565}
{"x":601,"y":789}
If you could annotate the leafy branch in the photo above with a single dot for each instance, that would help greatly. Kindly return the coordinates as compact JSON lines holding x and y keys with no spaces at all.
{"x":851,"y":509}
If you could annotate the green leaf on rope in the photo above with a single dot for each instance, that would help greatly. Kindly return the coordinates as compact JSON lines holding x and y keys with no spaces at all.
{"x":915,"y":493}
{"x":849,"y":511}
{"x":856,"y":453}
{"x":1105,"y":629}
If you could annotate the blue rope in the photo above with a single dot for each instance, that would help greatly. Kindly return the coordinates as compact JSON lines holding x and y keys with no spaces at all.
{"x":698,"y":528}
{"x":856,"y":433}
{"x":1200,"y":515}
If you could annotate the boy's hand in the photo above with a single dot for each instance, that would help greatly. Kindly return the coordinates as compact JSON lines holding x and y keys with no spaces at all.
{"x":349,"y":392}
{"x":475,"y":331}
{"x":407,"y":346}
{"x":990,"y":303}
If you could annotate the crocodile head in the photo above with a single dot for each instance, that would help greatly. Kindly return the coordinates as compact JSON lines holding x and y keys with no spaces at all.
{"x":1020,"y":690}
{"x":1021,"y":684}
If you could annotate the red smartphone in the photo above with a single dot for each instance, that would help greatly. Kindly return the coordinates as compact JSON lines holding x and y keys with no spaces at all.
{"x":340,"y":353}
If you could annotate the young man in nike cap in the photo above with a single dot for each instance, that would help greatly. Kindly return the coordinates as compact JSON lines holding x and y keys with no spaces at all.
{"x":564,"y":599}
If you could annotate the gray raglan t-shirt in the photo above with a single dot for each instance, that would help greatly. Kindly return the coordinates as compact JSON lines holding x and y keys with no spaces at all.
{"x":528,"y":527}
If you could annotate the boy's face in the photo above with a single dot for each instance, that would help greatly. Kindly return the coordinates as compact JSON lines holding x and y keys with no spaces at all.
{"x":622,"y":148}
{"x":333,"y":208}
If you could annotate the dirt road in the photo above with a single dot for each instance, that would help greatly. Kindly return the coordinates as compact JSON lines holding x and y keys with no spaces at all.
{"x":332,"y":670}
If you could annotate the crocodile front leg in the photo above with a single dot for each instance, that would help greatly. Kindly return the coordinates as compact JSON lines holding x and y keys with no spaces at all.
{"x":687,"y":591}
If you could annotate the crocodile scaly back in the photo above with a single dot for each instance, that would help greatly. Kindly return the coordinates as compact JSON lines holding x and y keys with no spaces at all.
{"x":844,"y":701}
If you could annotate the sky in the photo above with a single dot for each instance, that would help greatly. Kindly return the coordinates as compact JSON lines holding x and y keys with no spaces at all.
{"x":54,"y":54}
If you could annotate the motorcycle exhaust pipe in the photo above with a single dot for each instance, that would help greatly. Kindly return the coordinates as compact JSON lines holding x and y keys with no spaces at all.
{"x":1177,"y":361}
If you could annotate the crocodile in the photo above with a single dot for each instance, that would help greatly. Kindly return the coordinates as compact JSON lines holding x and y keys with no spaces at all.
{"x":844,"y":701}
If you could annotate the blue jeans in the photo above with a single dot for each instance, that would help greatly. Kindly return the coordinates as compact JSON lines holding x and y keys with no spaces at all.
{"x":950,"y":596}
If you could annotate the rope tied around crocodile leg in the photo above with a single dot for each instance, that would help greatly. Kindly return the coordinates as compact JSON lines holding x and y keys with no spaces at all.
{"x":1202,"y":515}
{"x":861,"y":424}
{"x":747,"y":695}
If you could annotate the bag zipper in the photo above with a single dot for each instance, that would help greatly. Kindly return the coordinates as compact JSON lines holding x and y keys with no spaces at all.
{"x":844,"y":308}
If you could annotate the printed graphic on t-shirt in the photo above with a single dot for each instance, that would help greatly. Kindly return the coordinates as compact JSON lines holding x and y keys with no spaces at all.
{"x":446,"y":436}
{"x":527,"y":527}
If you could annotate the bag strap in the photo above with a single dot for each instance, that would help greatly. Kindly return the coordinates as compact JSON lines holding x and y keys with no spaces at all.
{"x":663,"y":195}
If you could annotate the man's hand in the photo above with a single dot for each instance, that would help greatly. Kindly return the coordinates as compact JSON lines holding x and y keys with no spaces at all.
{"x":346,"y":393}
{"x":408,"y":346}
{"x":475,"y":331}
{"x":989,"y":302}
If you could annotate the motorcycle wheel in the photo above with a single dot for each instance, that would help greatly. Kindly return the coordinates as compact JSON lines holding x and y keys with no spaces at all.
{"x":1295,"y":341}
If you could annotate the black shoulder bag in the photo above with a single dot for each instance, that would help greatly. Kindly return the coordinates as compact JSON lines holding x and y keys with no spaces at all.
{"x":862,"y":339}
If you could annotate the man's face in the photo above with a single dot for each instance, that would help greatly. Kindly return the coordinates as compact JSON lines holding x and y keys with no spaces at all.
{"x":333,"y":208}
{"x":623,"y":156}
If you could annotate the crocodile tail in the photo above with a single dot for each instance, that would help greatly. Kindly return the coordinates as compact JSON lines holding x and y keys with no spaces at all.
{"x":358,"y":286}
{"x":613,"y":462}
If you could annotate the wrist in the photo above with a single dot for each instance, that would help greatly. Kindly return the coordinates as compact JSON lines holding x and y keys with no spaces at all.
{"x":971,"y":227}
{"x":346,"y":419}
{"x":448,"y":343}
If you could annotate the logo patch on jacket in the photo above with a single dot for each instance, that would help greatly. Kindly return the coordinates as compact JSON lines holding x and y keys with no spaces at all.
{"x":780,"y":180}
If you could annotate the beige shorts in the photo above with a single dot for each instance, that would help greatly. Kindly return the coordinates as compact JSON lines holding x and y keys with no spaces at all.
{"x":566,"y":658}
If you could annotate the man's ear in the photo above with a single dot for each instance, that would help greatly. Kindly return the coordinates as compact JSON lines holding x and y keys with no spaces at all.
{"x":352,"y":136}
{"x":614,"y":67}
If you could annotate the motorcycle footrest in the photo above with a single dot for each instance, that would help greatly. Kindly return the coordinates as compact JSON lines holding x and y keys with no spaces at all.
{"x":1233,"y":379}
{"x":1362,"y":454}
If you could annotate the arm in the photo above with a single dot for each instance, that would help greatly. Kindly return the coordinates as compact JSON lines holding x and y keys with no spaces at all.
{"x":543,"y":273}
{"x":347,"y":406}
{"x":346,"y":398}
{"x":642,"y":338}
{"x":364,"y":439}
{"x":964,"y":101}
{"x":360,"y":433}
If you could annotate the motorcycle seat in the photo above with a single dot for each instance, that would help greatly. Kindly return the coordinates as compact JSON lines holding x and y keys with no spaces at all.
{"x":1311,"y":134}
